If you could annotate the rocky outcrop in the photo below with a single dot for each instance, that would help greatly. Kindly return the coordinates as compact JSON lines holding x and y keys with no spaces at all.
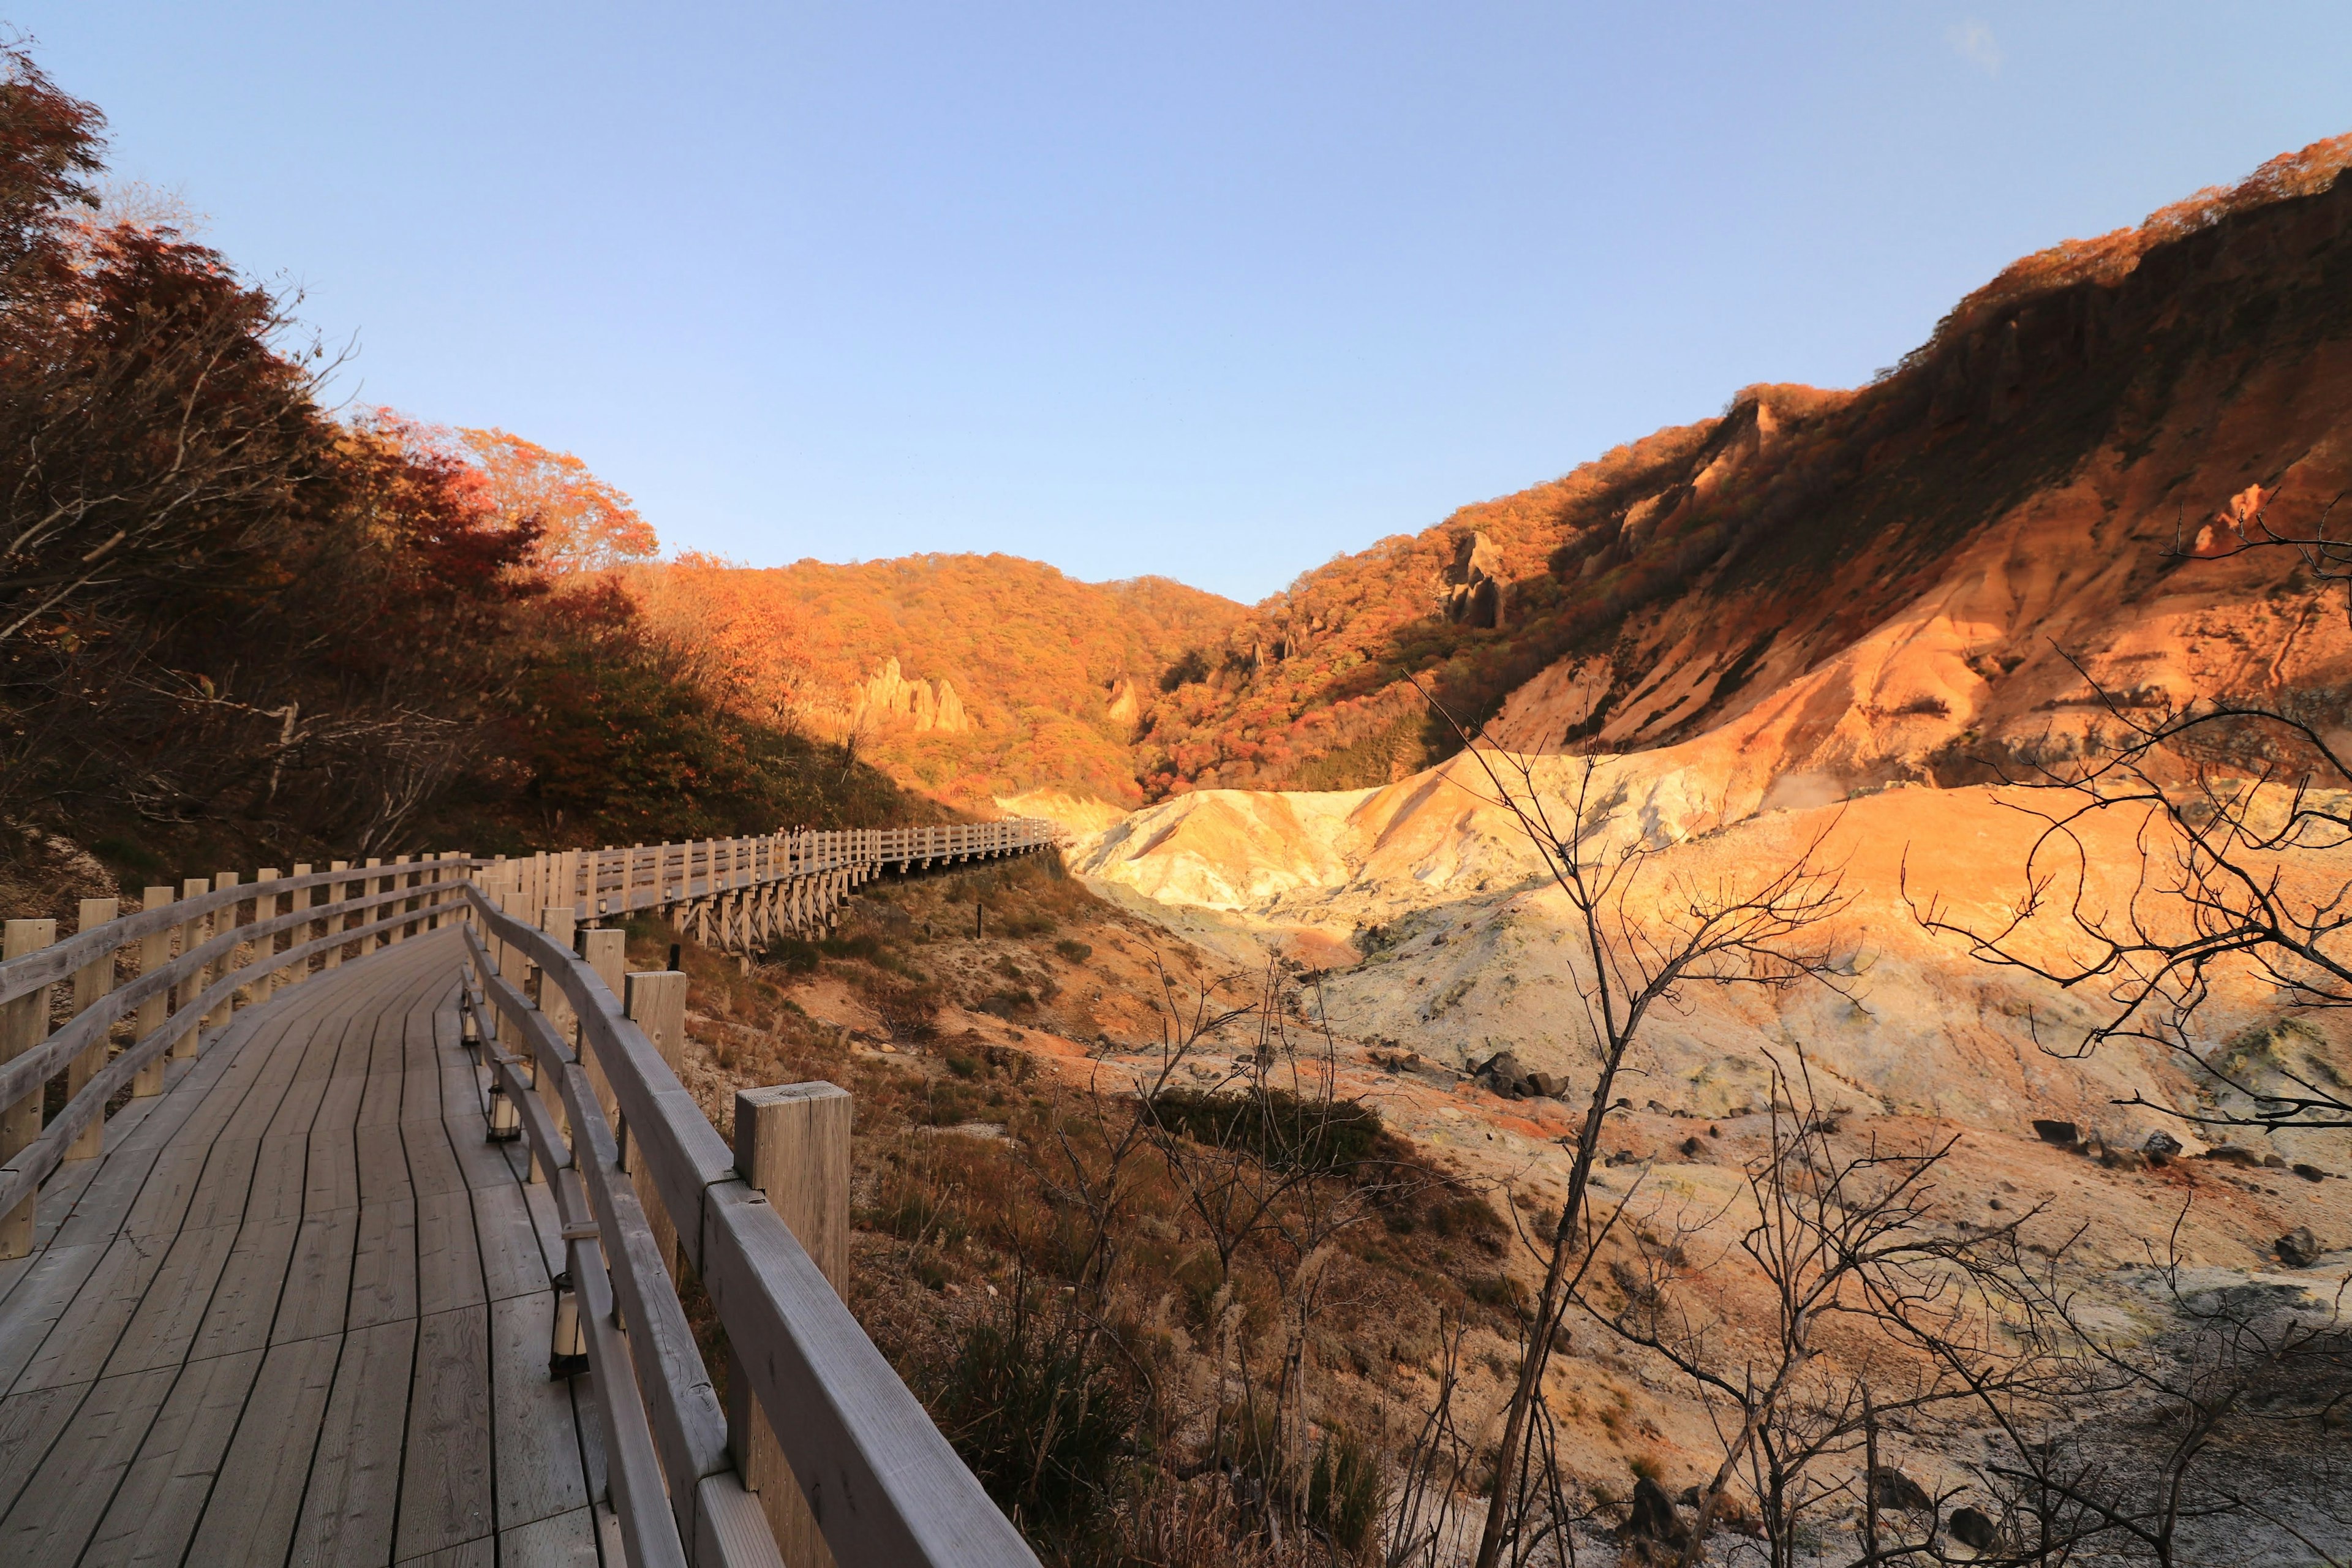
{"x":890,"y":699}
{"x":1126,"y":705}
{"x":1471,"y":592}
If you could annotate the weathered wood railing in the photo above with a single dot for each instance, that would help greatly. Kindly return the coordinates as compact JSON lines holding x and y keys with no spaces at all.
{"x":873,"y":1475}
{"x":738,"y":893}
{"x":223,"y":951}
{"x":847,"y":1462}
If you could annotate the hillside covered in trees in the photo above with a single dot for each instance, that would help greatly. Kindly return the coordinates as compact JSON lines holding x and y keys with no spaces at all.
{"x":1048,"y":675}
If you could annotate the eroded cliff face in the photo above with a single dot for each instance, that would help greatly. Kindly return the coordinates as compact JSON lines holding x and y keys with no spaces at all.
{"x":1868,"y":585}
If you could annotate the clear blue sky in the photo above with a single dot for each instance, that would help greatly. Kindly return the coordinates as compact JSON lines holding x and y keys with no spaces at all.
{"x":1213,"y":290}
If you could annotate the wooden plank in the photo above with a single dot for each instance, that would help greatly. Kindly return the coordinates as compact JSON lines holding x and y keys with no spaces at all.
{"x":99,"y":1212}
{"x":565,"y":1540}
{"x":383,"y":1162}
{"x":481,"y":1161}
{"x":590,"y":1424}
{"x":547,"y":1225}
{"x":445,"y":1492}
{"x":281,"y":1168}
{"x":162,"y":1495}
{"x":53,"y":1515}
{"x":24,"y":1027}
{"x":330,"y":1170}
{"x":792,"y":1142}
{"x":853,"y":1430}
{"x":251,"y":1513}
{"x":384,"y":1264}
{"x":172,"y":1307}
{"x":29,"y":1424}
{"x":538,"y":1447}
{"x":38,"y":1300}
{"x":347,"y":1508}
{"x":318,"y":1278}
{"x":512,"y":1262}
{"x":433,"y":1164}
{"x":448,"y":1259}
{"x":218,"y":1195}
{"x":78,"y":1343}
{"x":480,"y":1553}
{"x":245,"y":1301}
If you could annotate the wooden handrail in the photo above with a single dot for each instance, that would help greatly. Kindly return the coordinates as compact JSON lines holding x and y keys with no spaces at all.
{"x":22,"y":976}
{"x":653,"y":1534}
{"x":689,"y":1430}
{"x":27,"y":1168}
{"x":883,"y":1482}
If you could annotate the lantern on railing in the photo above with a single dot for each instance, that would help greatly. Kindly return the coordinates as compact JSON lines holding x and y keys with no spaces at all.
{"x":567,"y":1351}
{"x":506,"y":1122}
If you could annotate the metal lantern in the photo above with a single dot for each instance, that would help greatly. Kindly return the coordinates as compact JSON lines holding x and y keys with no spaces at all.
{"x":567,"y":1352}
{"x":506,"y":1122}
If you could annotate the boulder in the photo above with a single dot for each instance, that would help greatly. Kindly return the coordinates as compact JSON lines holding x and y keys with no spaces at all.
{"x":2298,"y":1248}
{"x":1503,"y":1073}
{"x":2160,"y":1145}
{"x":1655,"y":1518}
{"x":1974,"y":1529}
{"x":1890,"y":1488}
{"x":2309,"y":1172}
{"x":2063,"y":1133}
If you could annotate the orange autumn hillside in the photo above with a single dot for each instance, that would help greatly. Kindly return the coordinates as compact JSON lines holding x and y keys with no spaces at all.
{"x":1008,"y":675}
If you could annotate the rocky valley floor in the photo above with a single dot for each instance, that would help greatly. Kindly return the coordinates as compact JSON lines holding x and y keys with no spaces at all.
{"x":1001,"y":1027}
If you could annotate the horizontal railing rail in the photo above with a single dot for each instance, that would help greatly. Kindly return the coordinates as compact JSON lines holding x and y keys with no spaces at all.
{"x":621,"y":880}
{"x":881,"y":1482}
{"x":642,"y":1182}
{"x":196,"y":979}
{"x":594,"y":1231}
{"x":59,"y":959}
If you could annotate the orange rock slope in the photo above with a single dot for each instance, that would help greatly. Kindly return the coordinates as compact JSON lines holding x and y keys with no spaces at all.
{"x":1882,"y":583}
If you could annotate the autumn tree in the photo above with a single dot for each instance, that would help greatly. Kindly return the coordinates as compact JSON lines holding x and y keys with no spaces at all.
{"x":584,"y":523}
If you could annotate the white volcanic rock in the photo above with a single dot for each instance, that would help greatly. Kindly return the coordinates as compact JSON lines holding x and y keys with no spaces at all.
{"x":1454,"y":941}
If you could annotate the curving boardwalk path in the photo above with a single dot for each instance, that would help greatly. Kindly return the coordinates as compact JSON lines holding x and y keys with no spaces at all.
{"x":299,"y":1311}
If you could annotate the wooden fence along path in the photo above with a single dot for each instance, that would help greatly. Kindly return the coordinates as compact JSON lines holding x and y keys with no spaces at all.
{"x":342,"y":1214}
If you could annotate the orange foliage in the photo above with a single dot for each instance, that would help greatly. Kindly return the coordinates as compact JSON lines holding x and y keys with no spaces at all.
{"x":744,"y":646}
{"x":1035,"y":656}
{"x":584,"y":523}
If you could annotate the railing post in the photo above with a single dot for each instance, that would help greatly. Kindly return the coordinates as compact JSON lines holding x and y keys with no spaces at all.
{"x":400,"y":881}
{"x":791,"y":1142}
{"x":336,"y":924}
{"x":91,"y":982}
{"x":296,"y":974}
{"x":606,"y":953}
{"x":154,"y":952}
{"x":224,"y":922}
{"x":24,"y":1024}
{"x":368,"y":887}
{"x":264,"y":906}
{"x":192,"y":937}
{"x":656,"y":1000}
{"x":555,"y":920}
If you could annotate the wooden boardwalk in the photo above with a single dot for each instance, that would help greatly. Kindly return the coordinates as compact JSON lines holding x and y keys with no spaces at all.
{"x":299,"y":1311}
